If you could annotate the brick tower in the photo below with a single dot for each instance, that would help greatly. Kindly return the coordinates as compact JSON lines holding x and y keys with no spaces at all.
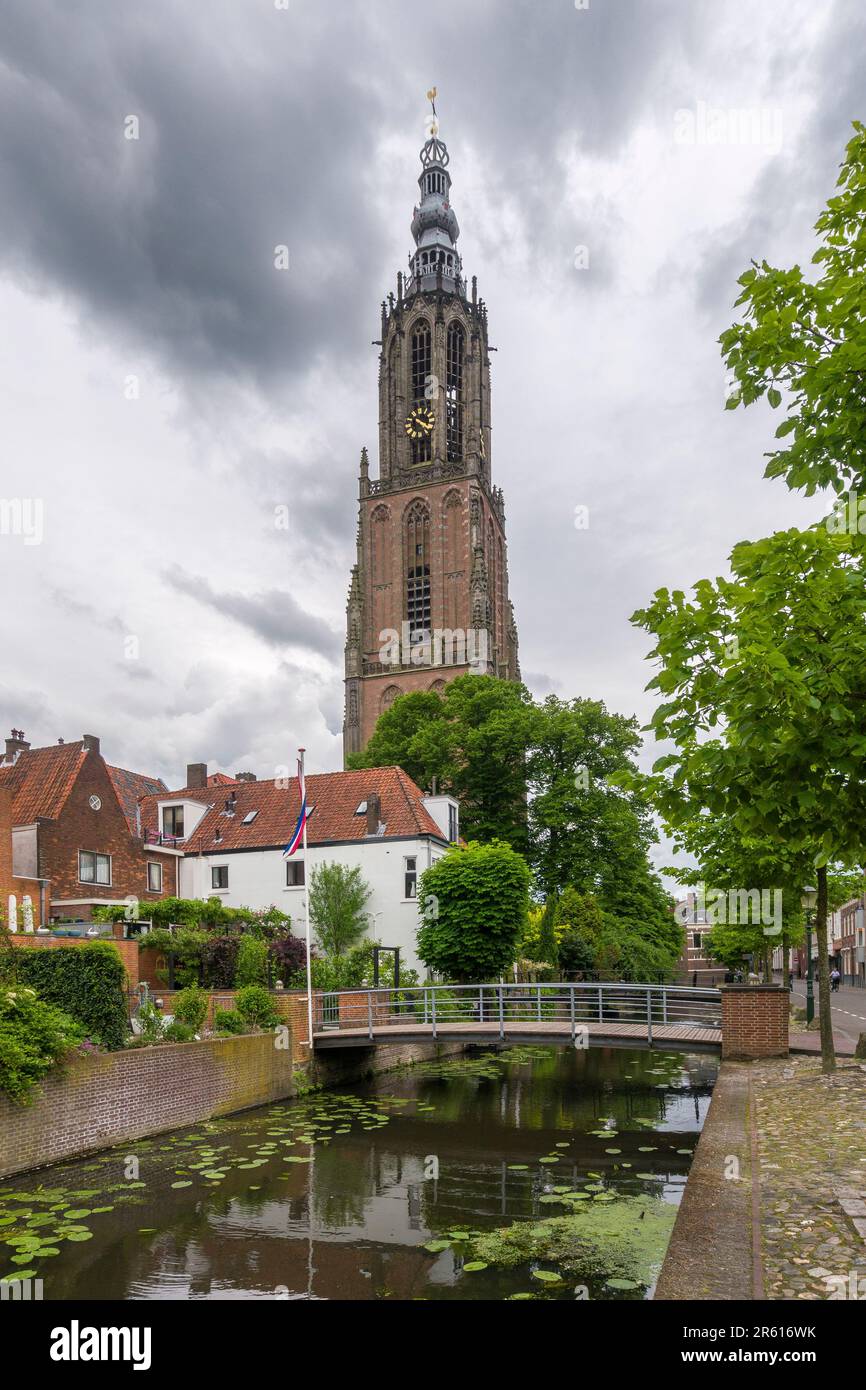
{"x":428,"y":598}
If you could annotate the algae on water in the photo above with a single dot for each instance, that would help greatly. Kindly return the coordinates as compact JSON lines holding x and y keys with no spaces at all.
{"x":625,"y":1239}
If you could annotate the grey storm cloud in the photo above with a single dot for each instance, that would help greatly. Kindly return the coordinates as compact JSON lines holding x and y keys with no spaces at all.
{"x":256,"y":129}
{"x":274,"y":616}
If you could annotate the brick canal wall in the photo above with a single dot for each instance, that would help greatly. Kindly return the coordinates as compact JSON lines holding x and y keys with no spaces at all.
{"x":99,"y":1100}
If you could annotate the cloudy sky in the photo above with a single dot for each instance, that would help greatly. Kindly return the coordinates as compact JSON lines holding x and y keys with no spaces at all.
{"x":167,"y":394}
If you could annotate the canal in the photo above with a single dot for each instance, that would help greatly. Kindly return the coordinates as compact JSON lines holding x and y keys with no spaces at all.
{"x":533,"y":1172}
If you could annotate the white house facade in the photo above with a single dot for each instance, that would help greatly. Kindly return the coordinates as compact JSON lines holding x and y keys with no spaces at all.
{"x":232,"y":837}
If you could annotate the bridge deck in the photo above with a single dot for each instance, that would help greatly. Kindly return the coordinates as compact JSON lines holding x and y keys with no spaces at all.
{"x":665,"y":1036}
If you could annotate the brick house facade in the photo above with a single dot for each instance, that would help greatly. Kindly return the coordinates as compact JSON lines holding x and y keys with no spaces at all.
{"x":431,"y":551}
{"x":72,"y":820}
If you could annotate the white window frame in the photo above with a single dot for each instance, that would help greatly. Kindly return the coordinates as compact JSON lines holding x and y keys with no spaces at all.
{"x":154,"y":864}
{"x":218,"y":869}
{"x":293,"y":864}
{"x":95,"y":855}
{"x":410,"y":873}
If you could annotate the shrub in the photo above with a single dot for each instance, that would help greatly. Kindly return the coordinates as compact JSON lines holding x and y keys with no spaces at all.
{"x":354,"y":970}
{"x":152,"y":1025}
{"x":34,"y":1035}
{"x":178,"y":1032}
{"x":190,"y":1008}
{"x":219,"y":961}
{"x":475,"y":905}
{"x":252,"y":962}
{"x":256,"y":1008}
{"x":289,"y":955}
{"x":229,"y":1021}
{"x":86,"y":982}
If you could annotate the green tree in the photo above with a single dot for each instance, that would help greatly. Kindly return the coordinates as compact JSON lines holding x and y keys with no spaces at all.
{"x":576,"y":813}
{"x":475,"y":905}
{"x":338,"y":896}
{"x":766,"y":707}
{"x":808,"y":339}
{"x":473,"y":739}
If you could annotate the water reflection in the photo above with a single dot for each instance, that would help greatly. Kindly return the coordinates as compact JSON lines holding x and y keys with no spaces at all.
{"x":347,"y":1215}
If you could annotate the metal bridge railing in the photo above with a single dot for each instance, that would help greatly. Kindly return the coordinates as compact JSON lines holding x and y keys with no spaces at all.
{"x":497,"y":1005}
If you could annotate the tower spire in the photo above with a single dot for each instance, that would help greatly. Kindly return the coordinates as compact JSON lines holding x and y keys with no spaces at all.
{"x":435,"y":262}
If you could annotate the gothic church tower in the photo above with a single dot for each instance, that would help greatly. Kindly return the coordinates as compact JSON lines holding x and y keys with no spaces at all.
{"x":428,"y":598}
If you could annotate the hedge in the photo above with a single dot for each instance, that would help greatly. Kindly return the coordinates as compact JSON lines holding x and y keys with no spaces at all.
{"x":87,"y":982}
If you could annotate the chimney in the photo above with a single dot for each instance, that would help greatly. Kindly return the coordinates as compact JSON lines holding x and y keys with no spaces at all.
{"x":91,"y":742}
{"x":245,"y":776}
{"x":196,"y":775}
{"x":16,"y":744}
{"x":374,"y":807}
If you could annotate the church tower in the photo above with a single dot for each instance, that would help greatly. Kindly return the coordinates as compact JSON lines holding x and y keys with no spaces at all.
{"x":428,"y":598}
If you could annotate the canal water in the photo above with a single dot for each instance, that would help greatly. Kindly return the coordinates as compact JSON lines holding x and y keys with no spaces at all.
{"x":533,"y":1172}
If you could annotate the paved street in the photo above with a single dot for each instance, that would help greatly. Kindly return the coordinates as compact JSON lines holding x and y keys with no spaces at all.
{"x":848,"y":1007}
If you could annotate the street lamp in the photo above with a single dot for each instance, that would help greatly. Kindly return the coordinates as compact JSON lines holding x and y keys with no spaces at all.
{"x":809,"y":900}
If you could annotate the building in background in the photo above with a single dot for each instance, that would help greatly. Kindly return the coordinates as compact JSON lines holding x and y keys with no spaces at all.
{"x":73,"y":824}
{"x":696,"y":966}
{"x":230,"y":839}
{"x":431,"y":568}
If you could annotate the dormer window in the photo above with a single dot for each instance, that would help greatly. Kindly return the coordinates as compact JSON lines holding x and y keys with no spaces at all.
{"x":249,"y":817}
{"x":172,"y":822}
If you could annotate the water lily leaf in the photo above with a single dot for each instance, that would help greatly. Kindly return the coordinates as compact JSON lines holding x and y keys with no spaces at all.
{"x":474,"y":1265}
{"x":622,"y":1284}
{"x":187,"y":1182}
{"x":547,"y":1276}
{"x":434,"y":1246}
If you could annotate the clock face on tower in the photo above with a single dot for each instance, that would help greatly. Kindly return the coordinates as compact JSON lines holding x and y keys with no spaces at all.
{"x":420,"y":422}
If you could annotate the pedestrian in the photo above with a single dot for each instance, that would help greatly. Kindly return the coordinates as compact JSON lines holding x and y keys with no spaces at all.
{"x":835,"y":977}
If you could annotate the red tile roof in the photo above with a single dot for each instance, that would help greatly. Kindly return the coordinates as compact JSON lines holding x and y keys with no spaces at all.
{"x":220,"y":779}
{"x":41,"y":779}
{"x":130,"y":787}
{"x":334,"y":795}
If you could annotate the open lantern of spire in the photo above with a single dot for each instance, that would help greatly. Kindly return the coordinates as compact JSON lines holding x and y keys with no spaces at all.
{"x":435,"y":261}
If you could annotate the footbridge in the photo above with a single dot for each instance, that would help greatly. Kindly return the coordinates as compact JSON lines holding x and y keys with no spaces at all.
{"x":666,"y":1017}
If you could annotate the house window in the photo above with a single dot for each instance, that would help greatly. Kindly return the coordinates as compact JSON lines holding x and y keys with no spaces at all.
{"x":154,"y":878}
{"x":94,"y":868}
{"x":696,"y":940}
{"x":452,"y":824}
{"x":295,"y":873}
{"x":219,"y":876}
{"x":410,"y":877}
{"x":172,"y":821}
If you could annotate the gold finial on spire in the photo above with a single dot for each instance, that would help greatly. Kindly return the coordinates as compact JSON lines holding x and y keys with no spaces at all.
{"x":433,"y":125}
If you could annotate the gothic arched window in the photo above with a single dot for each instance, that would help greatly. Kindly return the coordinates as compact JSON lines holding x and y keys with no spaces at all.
{"x":389,"y":695}
{"x":454,"y":390}
{"x":422,"y":366}
{"x":418,"y":570}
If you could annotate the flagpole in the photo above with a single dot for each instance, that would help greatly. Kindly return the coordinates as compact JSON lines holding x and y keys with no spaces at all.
{"x":301,"y":752}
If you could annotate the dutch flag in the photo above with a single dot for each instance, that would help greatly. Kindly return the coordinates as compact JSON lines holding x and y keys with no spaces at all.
{"x":298,"y":832}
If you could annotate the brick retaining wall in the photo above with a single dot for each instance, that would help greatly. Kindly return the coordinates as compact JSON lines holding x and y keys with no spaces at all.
{"x":112,"y":1097}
